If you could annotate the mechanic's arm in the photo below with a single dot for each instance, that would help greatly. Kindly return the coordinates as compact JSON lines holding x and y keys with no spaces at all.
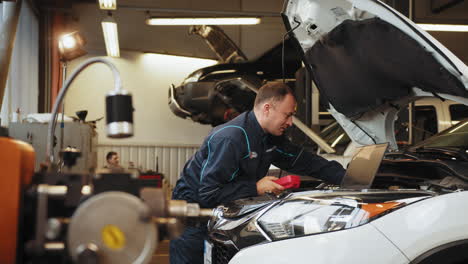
{"x":218,"y":182}
{"x":296,"y":160}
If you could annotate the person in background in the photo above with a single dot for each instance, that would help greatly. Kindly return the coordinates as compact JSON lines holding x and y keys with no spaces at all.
{"x":113,"y":161}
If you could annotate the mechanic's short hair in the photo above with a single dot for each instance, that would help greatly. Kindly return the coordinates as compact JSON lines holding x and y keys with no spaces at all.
{"x":110,"y":154}
{"x":274,"y":91}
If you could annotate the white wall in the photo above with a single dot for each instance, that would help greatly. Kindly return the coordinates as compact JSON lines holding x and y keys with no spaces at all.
{"x":147,"y":77}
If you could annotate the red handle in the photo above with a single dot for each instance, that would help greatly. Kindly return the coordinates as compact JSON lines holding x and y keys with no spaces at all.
{"x":289,"y":182}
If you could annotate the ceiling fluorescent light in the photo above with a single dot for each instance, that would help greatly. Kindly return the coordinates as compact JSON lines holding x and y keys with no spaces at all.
{"x":155,"y":21}
{"x":108,"y":4}
{"x":444,"y":27}
{"x":111,"y":36}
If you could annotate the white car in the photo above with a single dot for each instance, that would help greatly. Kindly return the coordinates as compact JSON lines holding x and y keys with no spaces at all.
{"x":368,"y":62}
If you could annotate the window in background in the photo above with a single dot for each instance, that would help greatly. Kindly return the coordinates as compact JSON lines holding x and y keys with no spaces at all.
{"x":458,"y":112}
{"x":425,"y":122}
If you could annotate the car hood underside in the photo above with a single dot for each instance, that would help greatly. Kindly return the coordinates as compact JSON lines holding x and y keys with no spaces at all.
{"x":369,"y":61}
{"x":360,"y":65}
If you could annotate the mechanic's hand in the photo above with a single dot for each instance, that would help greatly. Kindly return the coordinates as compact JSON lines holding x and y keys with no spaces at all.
{"x":266,"y":184}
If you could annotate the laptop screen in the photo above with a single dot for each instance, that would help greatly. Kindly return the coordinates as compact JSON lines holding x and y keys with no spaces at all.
{"x":363,"y":167}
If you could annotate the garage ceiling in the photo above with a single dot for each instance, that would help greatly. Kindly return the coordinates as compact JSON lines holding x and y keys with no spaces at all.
{"x":135,"y":35}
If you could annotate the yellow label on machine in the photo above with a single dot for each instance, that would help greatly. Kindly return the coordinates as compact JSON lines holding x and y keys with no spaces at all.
{"x":113,"y":237}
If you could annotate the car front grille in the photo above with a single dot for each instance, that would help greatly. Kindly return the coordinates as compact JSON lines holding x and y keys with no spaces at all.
{"x":222,"y":254}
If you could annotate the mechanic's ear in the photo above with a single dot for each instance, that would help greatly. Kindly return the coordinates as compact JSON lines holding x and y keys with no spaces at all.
{"x":266,"y":108}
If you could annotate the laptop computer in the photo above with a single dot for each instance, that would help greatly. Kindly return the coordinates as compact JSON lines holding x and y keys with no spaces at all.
{"x":363,"y":167}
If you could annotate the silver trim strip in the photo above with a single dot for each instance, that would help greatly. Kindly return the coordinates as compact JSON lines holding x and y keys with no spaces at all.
{"x":260,"y":215}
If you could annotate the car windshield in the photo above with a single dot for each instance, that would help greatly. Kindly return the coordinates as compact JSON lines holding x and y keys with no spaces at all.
{"x":453,"y":137}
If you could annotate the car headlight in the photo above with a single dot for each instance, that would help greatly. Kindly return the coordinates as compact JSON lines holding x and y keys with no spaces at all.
{"x":306,"y":216}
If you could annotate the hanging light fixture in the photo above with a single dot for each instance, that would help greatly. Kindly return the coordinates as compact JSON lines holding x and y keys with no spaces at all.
{"x":111,"y":36}
{"x":71,"y":46}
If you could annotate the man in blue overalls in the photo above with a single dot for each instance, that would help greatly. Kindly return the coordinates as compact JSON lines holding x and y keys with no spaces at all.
{"x":234,"y":159}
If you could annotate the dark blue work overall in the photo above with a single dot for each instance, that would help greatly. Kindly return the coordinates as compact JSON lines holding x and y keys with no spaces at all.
{"x":233,"y":157}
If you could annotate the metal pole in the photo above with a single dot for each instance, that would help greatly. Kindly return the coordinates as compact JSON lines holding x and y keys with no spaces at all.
{"x":62,"y":125}
{"x":308,"y":96}
{"x":410,"y":123}
{"x":410,"y":105}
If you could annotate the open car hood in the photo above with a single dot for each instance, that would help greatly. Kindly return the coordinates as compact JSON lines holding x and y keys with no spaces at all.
{"x":225,"y":49}
{"x":368,"y":61}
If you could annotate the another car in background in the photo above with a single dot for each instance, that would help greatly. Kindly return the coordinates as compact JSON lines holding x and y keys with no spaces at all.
{"x":216,"y":94}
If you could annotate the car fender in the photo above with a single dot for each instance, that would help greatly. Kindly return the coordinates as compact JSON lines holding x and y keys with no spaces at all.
{"x":426,"y":225}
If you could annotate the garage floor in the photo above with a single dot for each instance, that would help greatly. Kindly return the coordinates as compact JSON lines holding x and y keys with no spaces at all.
{"x":161,"y":256}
